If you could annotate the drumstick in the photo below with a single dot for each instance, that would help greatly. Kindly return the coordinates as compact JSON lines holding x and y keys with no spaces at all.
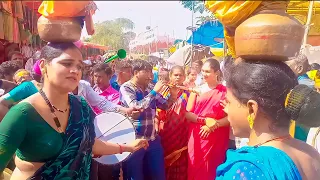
{"x":112,"y":127}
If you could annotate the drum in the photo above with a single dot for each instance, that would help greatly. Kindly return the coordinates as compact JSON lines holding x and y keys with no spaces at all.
{"x":116,"y":128}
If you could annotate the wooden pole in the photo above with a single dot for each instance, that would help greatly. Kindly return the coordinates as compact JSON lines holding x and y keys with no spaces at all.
{"x":308,"y":23}
{"x":192,"y":34}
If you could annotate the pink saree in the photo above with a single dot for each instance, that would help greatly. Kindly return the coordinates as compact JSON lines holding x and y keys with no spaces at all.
{"x":205,"y":155}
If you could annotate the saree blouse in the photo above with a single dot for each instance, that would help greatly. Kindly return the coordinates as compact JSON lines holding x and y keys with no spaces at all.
{"x":66,"y":156}
{"x":23,"y":130}
{"x":264,"y":162}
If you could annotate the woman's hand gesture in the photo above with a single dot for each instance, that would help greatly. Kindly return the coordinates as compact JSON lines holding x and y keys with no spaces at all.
{"x":204,"y":132}
{"x":211,"y":123}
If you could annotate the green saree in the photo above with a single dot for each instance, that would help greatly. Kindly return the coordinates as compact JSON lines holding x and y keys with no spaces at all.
{"x":74,"y":160}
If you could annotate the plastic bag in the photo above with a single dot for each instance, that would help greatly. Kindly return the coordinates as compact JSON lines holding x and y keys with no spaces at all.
{"x":62,"y":8}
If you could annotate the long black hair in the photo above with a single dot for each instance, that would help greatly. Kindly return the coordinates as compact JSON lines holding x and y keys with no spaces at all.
{"x":53,"y":50}
{"x":273,"y":85}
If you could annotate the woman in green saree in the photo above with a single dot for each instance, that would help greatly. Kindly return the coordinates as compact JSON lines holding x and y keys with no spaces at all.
{"x":52,"y":132}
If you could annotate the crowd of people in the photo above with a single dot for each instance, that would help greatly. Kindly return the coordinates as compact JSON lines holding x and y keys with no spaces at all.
{"x":235,"y":119}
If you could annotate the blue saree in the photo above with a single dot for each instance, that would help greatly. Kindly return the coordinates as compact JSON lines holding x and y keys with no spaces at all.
{"x":74,"y":159}
{"x":264,"y":162}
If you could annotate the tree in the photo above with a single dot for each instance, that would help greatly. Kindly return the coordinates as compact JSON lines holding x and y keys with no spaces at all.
{"x":196,"y":6}
{"x":125,"y":23}
{"x":115,"y":33}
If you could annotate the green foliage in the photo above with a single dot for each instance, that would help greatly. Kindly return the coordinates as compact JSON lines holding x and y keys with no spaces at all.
{"x":198,"y":6}
{"x":113,"y":33}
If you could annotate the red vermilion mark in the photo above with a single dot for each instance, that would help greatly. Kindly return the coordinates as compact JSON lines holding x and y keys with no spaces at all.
{"x":265,"y":37}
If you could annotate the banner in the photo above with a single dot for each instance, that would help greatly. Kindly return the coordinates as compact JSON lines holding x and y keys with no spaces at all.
{"x":143,"y":39}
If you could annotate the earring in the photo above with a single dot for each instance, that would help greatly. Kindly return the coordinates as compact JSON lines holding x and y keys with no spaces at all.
{"x":43,"y":71}
{"x":251,"y":121}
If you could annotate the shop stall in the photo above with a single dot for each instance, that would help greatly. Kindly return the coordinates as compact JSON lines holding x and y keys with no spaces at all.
{"x":18,"y":27}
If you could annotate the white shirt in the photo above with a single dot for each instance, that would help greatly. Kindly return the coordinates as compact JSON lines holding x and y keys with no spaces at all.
{"x":199,"y":80}
{"x":224,"y":83}
{"x":26,"y":51}
{"x":29,"y":65}
{"x":241,"y":142}
{"x":311,"y":136}
{"x":94,"y":99}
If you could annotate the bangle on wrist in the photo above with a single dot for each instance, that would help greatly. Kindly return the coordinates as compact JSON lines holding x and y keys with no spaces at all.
{"x":217,"y":125}
{"x":201,"y":120}
{"x":121,"y":149}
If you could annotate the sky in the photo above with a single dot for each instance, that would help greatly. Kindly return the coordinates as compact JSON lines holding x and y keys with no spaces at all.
{"x":170,"y":17}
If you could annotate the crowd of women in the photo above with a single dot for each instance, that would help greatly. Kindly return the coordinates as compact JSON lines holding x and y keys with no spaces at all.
{"x":185,"y":122}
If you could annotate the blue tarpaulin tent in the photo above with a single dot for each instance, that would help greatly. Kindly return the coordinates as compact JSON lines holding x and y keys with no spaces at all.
{"x":206,"y":34}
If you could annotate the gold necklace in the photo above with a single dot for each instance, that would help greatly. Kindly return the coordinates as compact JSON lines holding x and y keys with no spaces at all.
{"x":281,"y":138}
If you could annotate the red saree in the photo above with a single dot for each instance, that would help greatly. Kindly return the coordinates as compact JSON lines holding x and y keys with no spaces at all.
{"x":174,"y":138}
{"x":205,"y":155}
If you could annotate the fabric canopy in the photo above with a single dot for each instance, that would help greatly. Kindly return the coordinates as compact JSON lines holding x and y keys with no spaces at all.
{"x":181,"y":56}
{"x":187,"y":54}
{"x":299,"y":10}
{"x":207,"y":34}
{"x":298,"y":6}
